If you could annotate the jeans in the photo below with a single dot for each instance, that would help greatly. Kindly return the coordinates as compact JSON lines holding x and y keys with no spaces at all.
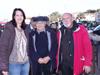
{"x":19,"y":69}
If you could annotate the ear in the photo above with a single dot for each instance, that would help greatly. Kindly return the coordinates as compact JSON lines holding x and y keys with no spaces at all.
{"x":73,"y":18}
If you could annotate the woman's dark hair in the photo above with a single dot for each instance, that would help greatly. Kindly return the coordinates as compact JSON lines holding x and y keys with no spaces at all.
{"x":23,"y":26}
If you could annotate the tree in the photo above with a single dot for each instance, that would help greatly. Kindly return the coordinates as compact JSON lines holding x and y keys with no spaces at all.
{"x":98,"y":10}
{"x":55,"y":16}
{"x":80,"y":15}
{"x":91,"y":11}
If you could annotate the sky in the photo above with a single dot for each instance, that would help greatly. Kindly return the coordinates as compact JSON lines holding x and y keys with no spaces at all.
{"x":45,"y":7}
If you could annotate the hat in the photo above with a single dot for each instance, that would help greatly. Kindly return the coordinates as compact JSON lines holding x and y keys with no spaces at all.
{"x":33,"y":19}
{"x":41,"y":18}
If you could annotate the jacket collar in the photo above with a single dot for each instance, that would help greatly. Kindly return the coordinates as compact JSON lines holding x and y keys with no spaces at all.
{"x":77,"y":29}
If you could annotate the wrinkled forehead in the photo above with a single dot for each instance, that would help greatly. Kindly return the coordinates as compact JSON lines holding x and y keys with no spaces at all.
{"x":67,"y":15}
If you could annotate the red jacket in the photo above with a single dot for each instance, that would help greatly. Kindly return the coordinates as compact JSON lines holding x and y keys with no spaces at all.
{"x":82,"y":49}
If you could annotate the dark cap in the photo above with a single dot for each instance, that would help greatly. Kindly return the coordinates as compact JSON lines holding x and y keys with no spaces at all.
{"x":33,"y":19}
{"x":41,"y":18}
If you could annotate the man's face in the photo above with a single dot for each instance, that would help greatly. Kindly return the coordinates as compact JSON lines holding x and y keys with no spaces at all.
{"x":67,"y":20}
{"x":40,"y":25}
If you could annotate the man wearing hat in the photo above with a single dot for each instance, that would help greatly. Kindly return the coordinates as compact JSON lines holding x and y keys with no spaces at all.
{"x":42,"y":47}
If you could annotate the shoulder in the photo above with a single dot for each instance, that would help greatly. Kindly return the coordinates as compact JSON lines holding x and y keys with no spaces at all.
{"x":9,"y":25}
{"x":83,"y":28}
{"x":80,"y":28}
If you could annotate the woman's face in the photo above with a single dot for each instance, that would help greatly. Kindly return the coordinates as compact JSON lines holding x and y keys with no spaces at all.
{"x":18,"y":17}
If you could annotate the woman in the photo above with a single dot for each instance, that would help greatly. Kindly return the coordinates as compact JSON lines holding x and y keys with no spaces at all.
{"x":13,"y":46}
{"x":42,"y":47}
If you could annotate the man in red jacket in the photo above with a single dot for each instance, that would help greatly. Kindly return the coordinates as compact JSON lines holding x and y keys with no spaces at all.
{"x":74,"y":47}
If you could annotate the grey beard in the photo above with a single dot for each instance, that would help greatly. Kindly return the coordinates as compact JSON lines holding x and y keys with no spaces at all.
{"x":66,"y":25}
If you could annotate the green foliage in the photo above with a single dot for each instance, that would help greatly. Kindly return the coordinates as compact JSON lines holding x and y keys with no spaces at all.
{"x":54,"y":17}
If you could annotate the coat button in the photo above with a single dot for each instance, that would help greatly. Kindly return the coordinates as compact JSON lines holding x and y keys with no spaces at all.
{"x":69,"y":42}
{"x":70,"y":55}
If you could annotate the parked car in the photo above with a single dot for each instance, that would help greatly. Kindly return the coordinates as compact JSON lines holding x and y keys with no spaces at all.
{"x":2,"y":26}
